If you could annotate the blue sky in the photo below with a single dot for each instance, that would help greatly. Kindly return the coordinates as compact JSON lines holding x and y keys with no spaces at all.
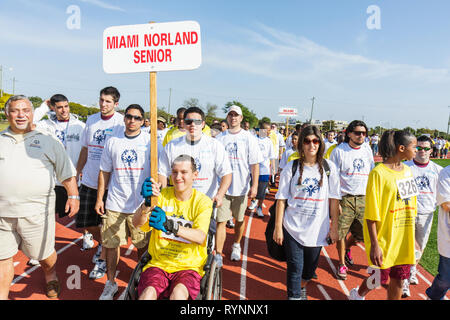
{"x":265,"y":54}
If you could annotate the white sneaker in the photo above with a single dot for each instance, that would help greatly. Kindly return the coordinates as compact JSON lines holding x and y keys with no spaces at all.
{"x":253,"y":205}
{"x":109,"y":291}
{"x":33,"y":262}
{"x":99,"y":270}
{"x":413,"y":277}
{"x":405,"y":289}
{"x":230,"y":223}
{"x":236,"y":252}
{"x":259,"y":212}
{"x":354,"y":295}
{"x":97,"y":254}
{"x":88,"y":241}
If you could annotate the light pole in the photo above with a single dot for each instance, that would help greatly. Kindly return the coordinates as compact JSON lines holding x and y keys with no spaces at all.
{"x":312,"y":108}
{"x":448,"y":122}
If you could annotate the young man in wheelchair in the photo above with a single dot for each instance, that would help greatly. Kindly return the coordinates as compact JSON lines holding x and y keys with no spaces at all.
{"x":177,"y":245}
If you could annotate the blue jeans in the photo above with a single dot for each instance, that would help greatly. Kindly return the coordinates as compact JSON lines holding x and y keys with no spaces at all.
{"x":301,"y":264}
{"x":441,"y":282}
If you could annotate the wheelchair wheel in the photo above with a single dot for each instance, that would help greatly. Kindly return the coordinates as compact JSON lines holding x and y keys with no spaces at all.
{"x":214,"y":284}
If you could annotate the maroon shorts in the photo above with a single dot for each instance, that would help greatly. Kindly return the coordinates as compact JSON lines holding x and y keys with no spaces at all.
{"x":401,"y":272}
{"x":164,"y":282}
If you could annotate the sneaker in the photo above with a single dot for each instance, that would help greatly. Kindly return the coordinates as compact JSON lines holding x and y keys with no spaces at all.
{"x":109,"y":291}
{"x":230,"y":223}
{"x":88,"y":241}
{"x":236,"y":252}
{"x":314,"y":275}
{"x":33,"y":262}
{"x":99,"y":270}
{"x":97,"y":254}
{"x":348,"y":257}
{"x":219,"y":260}
{"x":253,"y":205}
{"x":405,"y":289}
{"x":342,"y":272}
{"x":303,"y":294}
{"x":259,"y":212}
{"x":354,"y":295}
{"x":413,"y":277}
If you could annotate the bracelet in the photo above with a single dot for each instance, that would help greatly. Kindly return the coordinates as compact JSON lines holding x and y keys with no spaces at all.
{"x":73,"y":197}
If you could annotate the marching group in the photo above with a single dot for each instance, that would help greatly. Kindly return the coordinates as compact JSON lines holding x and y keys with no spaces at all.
{"x":330,"y":191}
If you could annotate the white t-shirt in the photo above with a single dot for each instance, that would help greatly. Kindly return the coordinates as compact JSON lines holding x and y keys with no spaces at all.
{"x":285,"y":157}
{"x":353,"y":167}
{"x":242,"y":152}
{"x":426,"y":179}
{"x":443,"y":195}
{"x":268,"y":153}
{"x":328,"y":144}
{"x":210,"y":157}
{"x":95,"y":135}
{"x":161,"y":134}
{"x":307,"y":213}
{"x":128,"y":161}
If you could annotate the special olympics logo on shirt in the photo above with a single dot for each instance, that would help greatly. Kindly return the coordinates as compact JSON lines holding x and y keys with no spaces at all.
{"x":61,"y":135}
{"x":358,"y":164}
{"x":232,"y":149}
{"x":311,"y":186}
{"x":423,"y":182}
{"x":99,"y":136}
{"x":405,"y":201}
{"x":198,"y":164}
{"x":128,"y":157}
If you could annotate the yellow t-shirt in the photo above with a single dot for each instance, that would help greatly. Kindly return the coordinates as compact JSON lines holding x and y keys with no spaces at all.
{"x":394,"y":217}
{"x":174,"y":133}
{"x":293,"y":156}
{"x":172,"y":253}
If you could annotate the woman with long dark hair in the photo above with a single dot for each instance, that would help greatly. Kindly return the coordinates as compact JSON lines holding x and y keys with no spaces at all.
{"x":305,"y":204}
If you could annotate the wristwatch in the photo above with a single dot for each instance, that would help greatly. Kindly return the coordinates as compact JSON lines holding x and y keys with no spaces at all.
{"x":171,"y":226}
{"x":73,"y":197}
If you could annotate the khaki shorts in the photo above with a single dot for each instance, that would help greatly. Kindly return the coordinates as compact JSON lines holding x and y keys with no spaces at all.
{"x":116,"y":229}
{"x":232,"y":206}
{"x":352,"y":217}
{"x":34,"y":235}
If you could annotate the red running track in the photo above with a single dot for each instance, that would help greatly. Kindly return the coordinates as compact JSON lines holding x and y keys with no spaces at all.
{"x":255,"y":277}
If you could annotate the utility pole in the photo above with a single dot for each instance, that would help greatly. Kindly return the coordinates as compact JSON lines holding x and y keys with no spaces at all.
{"x":170,"y":95}
{"x":312,"y":107}
{"x":1,"y":81}
{"x":448,"y":123}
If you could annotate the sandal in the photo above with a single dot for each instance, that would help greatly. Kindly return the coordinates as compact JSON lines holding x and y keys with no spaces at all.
{"x":52,"y":289}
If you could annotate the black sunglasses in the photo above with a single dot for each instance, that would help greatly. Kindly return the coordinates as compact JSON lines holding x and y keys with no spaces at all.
{"x":360,"y":133}
{"x":195,"y":121}
{"x":130,"y":116}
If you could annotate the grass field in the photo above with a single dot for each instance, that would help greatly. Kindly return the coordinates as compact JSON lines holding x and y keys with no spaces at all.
{"x":3,"y":125}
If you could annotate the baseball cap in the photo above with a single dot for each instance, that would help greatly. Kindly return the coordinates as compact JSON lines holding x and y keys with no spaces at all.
{"x":161,"y":119}
{"x":236,"y":109}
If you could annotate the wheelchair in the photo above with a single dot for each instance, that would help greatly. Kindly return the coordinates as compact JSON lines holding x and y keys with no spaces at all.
{"x":211,"y":282}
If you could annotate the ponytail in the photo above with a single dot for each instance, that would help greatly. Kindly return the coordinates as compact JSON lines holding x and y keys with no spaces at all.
{"x":391,"y":140}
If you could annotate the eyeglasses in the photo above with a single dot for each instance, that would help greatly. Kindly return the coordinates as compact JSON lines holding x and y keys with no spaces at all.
{"x":360,"y":133}
{"x":423,"y":148}
{"x":130,"y":116}
{"x":314,"y":141}
{"x":195,"y":121}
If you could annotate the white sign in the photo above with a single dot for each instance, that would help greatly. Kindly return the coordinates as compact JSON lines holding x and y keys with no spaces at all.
{"x":152,"y":47}
{"x":290,"y":112}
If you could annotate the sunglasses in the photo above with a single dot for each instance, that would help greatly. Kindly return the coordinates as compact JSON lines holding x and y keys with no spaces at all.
{"x":130,"y":116}
{"x":314,"y":141}
{"x":360,"y":133}
{"x":423,"y":148}
{"x":195,"y":121}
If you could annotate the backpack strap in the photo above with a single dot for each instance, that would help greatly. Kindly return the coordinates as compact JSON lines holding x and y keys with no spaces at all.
{"x":326,"y":167}
{"x":294,"y":167}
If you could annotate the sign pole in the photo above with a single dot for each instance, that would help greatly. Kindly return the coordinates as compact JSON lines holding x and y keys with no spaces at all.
{"x":287,"y":127}
{"x":153,"y":133}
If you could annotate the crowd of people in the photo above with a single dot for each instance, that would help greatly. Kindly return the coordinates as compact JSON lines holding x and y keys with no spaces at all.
{"x":329,"y":192}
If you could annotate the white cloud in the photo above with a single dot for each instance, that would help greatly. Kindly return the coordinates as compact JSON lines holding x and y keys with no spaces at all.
{"x":103,"y":4}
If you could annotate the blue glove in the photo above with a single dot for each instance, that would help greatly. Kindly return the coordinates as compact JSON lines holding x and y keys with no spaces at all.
{"x":158,"y":219}
{"x":146,"y":191}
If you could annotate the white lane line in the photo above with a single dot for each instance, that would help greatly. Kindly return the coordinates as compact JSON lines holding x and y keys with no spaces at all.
{"x":341,"y":283}
{"x":423,"y":296}
{"x":16,"y":263}
{"x":424,"y":279}
{"x":325,"y":294}
{"x":130,"y":249}
{"x":244,"y":260}
{"x":31,"y":270}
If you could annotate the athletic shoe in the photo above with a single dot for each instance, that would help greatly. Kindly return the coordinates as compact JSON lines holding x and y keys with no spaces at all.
{"x":109,"y":291}
{"x":413,"y":277}
{"x":342,"y":272}
{"x":354,"y":295}
{"x":97,"y":254}
{"x":99,"y":270}
{"x":236,"y":252}
{"x":253,"y":205}
{"x":33,"y":262}
{"x":405,"y":289}
{"x":259,"y":212}
{"x":230,"y":223}
{"x":219,"y":260}
{"x":88,"y":241}
{"x":314,"y":275}
{"x":348,"y":257}
{"x":303,"y":294}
